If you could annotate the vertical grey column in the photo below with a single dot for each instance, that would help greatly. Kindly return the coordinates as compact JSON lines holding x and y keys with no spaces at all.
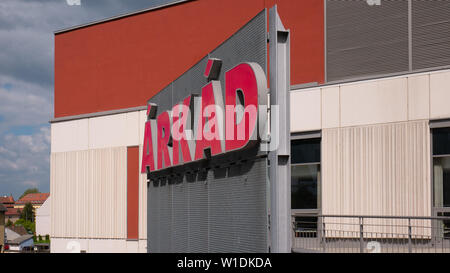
{"x":280,"y":166}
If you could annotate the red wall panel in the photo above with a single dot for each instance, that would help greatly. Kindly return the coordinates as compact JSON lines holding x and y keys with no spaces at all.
{"x":305,"y":20}
{"x":133,"y":193}
{"x":122,"y":63}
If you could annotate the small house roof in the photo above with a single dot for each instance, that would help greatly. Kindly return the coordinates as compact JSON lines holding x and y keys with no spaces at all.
{"x":33,"y":198}
{"x":21,"y":239}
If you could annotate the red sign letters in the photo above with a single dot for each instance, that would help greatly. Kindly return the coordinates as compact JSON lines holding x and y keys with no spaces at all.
{"x":204,"y":126}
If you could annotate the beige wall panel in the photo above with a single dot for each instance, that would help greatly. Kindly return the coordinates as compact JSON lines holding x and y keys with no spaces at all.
{"x":132,"y":128}
{"x":376,"y":170}
{"x":132,"y":246}
{"x":69,"y":136}
{"x":142,"y":120}
{"x":88,"y":191}
{"x":62,"y":245}
{"x":419,"y":97}
{"x":114,"y":131}
{"x":372,"y":102}
{"x":43,"y":218}
{"x":440,"y":95}
{"x":305,"y":110}
{"x":143,"y":246}
{"x":330,"y":107}
{"x":107,"y":131}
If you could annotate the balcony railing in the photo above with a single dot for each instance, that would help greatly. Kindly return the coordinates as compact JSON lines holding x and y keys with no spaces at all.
{"x":370,"y":234}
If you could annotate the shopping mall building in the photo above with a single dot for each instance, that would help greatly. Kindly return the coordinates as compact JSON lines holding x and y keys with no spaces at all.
{"x":368,"y":107}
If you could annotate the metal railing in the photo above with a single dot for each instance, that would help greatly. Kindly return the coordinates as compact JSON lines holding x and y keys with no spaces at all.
{"x":370,"y":234}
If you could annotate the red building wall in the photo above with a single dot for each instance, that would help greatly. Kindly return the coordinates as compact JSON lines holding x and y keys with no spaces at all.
{"x":122,"y":63}
{"x":132,"y":193}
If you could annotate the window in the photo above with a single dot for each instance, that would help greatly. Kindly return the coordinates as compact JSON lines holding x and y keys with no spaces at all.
{"x":305,"y":174}
{"x":441,"y":167}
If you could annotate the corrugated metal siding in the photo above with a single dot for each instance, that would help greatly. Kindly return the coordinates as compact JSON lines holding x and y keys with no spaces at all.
{"x":366,"y":40}
{"x":377,"y":170}
{"x":221,"y":211}
{"x":89,"y":193}
{"x":180,"y":218}
{"x":430,"y":33}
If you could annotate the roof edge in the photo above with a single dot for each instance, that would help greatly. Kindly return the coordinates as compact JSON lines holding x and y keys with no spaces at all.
{"x":120,"y":16}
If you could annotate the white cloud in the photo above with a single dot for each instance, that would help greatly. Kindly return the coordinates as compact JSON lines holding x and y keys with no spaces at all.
{"x":24,"y":161}
{"x":27,"y":77}
{"x":23,"y":104}
{"x":31,"y":184}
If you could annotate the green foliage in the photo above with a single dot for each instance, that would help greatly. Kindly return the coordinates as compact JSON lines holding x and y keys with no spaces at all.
{"x":28,"y":225}
{"x":9,"y":223}
{"x":39,"y":240}
{"x":30,"y":190}
{"x":27,"y":212}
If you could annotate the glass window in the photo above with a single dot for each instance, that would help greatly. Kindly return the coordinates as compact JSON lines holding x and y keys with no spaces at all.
{"x":441,"y":141}
{"x":445,"y":225}
{"x":441,"y":167}
{"x":305,"y":151}
{"x":304,"y":188}
{"x":441,"y":181}
{"x":305,"y":174}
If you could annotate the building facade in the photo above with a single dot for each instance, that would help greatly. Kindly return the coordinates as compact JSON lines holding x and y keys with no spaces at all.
{"x":43,"y":222}
{"x":12,"y":214}
{"x":369,"y":114}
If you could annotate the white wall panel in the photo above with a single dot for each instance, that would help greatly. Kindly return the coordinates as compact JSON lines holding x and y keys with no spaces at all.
{"x":305,"y":110}
{"x":419,"y":97}
{"x":132,"y":123}
{"x":99,"y":132}
{"x":143,"y":246}
{"x":374,"y":102}
{"x":114,"y":131}
{"x":43,"y":218}
{"x":142,"y":120}
{"x":69,"y":136}
{"x":67,"y":245}
{"x":440,"y":95}
{"x":330,"y":107}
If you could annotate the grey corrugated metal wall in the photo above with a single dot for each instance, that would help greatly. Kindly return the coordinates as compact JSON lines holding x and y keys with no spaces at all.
{"x":223,"y":209}
{"x":363,"y":40}
{"x":430,"y":33}
{"x":394,"y":36}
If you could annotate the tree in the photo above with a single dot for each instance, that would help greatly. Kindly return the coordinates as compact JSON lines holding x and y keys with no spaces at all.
{"x":27,"y":212}
{"x":30,"y":190}
{"x":9,"y":223}
{"x":28,"y":225}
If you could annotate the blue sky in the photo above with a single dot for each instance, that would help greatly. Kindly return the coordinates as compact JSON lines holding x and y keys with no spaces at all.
{"x":27,"y":77}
